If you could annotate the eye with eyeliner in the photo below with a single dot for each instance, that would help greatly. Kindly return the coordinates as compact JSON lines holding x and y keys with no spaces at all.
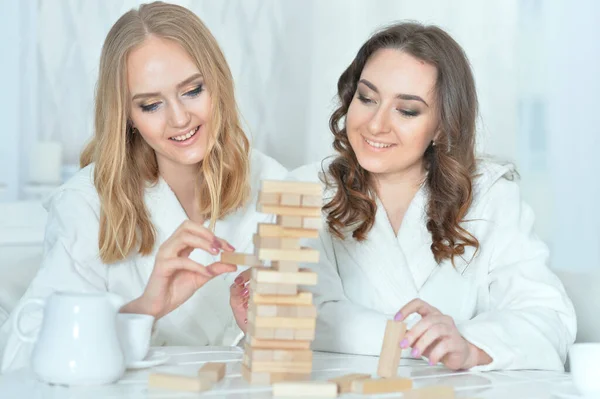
{"x":364,"y":99}
{"x":408,"y":112}
{"x":195,"y":92}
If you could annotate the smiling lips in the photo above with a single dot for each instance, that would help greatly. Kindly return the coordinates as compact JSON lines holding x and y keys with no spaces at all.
{"x":186,"y":136}
{"x":377,"y":144}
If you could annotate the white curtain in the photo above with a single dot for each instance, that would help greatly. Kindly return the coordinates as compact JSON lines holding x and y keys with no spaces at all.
{"x":535,"y":64}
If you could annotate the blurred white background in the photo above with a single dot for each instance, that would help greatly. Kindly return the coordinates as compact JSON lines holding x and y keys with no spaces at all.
{"x":536,"y":64}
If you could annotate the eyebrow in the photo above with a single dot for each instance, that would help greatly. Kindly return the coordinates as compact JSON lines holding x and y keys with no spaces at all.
{"x":179,"y":85}
{"x":401,"y":96}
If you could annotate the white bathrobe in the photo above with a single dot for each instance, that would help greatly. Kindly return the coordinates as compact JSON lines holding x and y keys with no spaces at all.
{"x":72,"y":263}
{"x":505,"y":300}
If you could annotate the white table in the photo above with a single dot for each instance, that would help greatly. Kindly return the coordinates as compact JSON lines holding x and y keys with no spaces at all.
{"x":186,"y":361}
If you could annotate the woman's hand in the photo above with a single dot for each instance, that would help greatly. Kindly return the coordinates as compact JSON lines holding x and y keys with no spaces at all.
{"x":436,"y":337}
{"x":239,"y":296}
{"x":175,"y":277}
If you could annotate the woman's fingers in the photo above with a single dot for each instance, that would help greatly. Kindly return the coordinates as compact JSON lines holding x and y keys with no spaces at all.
{"x":416,"y":306}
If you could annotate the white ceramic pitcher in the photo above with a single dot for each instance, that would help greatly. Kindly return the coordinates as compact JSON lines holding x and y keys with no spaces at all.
{"x":78,"y":342}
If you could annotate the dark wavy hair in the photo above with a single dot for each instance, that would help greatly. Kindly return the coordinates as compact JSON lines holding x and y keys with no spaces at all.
{"x":450,"y":163}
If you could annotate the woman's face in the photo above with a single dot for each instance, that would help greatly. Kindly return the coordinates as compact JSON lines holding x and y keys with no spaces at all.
{"x":170,"y":105}
{"x":392,"y":118}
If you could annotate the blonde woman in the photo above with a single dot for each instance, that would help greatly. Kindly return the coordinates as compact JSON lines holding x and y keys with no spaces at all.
{"x":167,"y":182}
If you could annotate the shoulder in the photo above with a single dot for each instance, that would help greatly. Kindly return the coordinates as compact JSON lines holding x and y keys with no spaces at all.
{"x":76,"y":197}
{"x":496,"y":193}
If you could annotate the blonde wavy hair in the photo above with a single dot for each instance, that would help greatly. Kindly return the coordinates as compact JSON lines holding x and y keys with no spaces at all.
{"x":125,"y":164}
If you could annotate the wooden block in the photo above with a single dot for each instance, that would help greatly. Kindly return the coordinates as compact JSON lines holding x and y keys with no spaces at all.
{"x":304,"y":335}
{"x":277,"y":355}
{"x":285,"y":266}
{"x":276,"y":242}
{"x":285,"y":322}
{"x":381,"y":385}
{"x":276,"y":344}
{"x":272,"y":288}
{"x":179,"y":382}
{"x":269,"y":198}
{"x":299,"y":255}
{"x":278,"y":366}
{"x":311,"y":223}
{"x":291,"y":199}
{"x":273,"y":230}
{"x":293,"y":222}
{"x":260,"y":310}
{"x":313,"y":212}
{"x":345,"y":381}
{"x":237,"y":258}
{"x":389,"y":359}
{"x":214,"y":372}
{"x":302,"y":298}
{"x":291,"y":187}
{"x":265,"y":275}
{"x":312,"y":200}
{"x":282,"y":333}
{"x":262,"y":378}
{"x":434,"y":392}
{"x":318,"y":389}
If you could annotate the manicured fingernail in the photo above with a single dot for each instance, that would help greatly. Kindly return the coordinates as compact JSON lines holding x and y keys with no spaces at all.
{"x":217,"y":244}
{"x":245,"y":292}
{"x":214,"y":250}
{"x":231,"y":247}
{"x":404,"y":343}
{"x":238,"y":280}
{"x":415,"y":352}
{"x":431,"y":363}
{"x":245,"y":321}
{"x":398,"y":316}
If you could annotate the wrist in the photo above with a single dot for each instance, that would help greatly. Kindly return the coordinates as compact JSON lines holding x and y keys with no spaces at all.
{"x":140,"y":306}
{"x":477,"y":357}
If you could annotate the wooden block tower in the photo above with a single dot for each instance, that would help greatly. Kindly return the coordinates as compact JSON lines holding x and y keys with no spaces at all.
{"x":282,"y":318}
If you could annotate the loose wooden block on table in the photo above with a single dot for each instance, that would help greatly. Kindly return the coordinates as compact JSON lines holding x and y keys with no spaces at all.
{"x":277,"y":344}
{"x":319,"y":389}
{"x":298,"y":255}
{"x":267,"y":275}
{"x":344,"y":382}
{"x":389,"y":359}
{"x":434,"y":392}
{"x":264,"y":378}
{"x":291,"y":187}
{"x":301,"y":298}
{"x":313,"y":212}
{"x":273,"y":230}
{"x":381,"y":385}
{"x":237,"y":258}
{"x":179,"y":382}
{"x":212,"y":371}
{"x":273,"y":288}
{"x":276,"y":242}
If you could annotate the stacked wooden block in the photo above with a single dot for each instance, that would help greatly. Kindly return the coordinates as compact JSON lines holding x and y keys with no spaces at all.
{"x":281,"y":317}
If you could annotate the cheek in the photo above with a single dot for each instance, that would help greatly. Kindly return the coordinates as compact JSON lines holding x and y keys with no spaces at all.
{"x":150,"y":125}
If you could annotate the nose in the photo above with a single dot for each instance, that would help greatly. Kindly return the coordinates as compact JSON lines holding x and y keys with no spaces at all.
{"x":179,"y":117}
{"x":380,"y":122}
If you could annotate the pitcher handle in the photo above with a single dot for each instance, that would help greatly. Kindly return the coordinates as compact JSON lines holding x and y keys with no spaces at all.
{"x":31,"y":337}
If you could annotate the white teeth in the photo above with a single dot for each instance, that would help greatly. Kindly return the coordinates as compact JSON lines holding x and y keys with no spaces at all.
{"x":186,"y":136}
{"x":377,"y":145}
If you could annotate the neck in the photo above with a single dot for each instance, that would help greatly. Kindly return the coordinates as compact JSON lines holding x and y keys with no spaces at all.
{"x":396,"y":191}
{"x":182,"y":181}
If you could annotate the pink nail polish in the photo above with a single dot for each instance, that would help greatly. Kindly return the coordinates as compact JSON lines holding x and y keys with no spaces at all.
{"x":404,"y":343}
{"x":431,"y":363}
{"x":415,"y":352}
{"x":398,"y":317}
{"x":214,"y":250}
{"x":245,"y":292}
{"x":245,"y":321}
